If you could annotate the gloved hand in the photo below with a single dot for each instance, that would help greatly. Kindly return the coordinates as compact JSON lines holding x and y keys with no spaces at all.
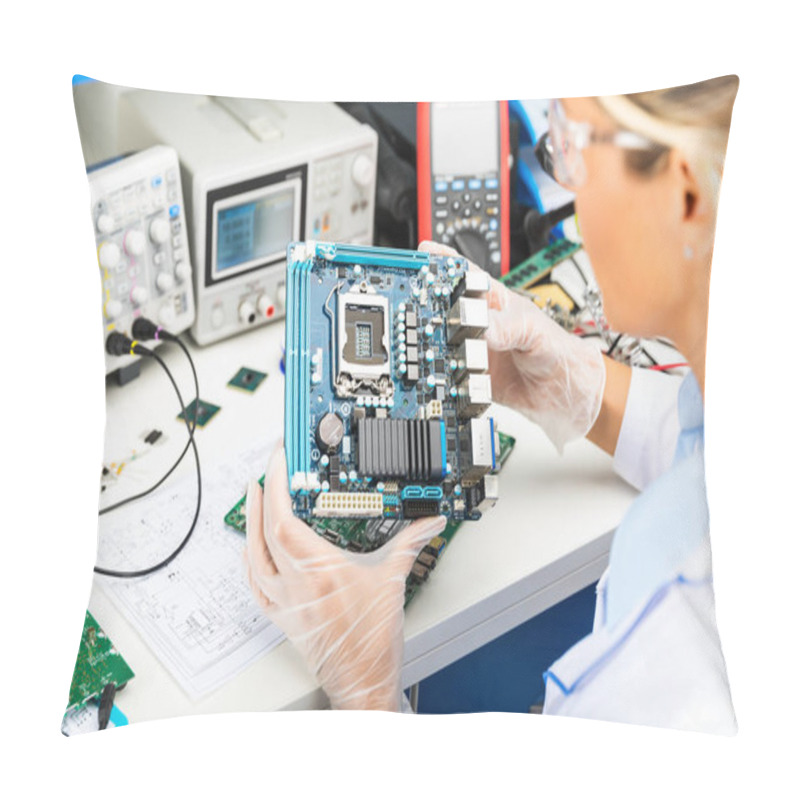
{"x":551,"y":376}
{"x":342,"y":610}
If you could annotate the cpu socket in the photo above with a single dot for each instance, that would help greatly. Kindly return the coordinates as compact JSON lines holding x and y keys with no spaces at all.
{"x":363,"y":365}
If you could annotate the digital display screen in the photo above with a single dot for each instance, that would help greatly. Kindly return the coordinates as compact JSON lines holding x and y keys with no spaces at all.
{"x":465,"y":139}
{"x":255,"y":230}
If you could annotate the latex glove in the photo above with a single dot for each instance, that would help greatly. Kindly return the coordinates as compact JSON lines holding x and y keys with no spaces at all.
{"x":343,"y":611}
{"x":551,"y":376}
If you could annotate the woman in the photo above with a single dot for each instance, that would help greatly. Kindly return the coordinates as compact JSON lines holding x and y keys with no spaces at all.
{"x":645,"y":170}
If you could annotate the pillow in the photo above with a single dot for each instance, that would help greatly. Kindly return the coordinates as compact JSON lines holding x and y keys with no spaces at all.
{"x":558,"y":255}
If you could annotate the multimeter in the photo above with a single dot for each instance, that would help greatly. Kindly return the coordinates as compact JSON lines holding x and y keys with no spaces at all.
{"x":463,"y":193}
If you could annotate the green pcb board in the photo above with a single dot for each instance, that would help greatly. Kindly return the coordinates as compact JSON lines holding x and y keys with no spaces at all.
{"x":364,"y":535}
{"x":540,"y":264}
{"x":98,"y":664}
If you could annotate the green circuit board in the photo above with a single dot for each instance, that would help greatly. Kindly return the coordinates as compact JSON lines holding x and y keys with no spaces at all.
{"x":363,"y":535}
{"x":97,"y":665}
{"x":540,"y":264}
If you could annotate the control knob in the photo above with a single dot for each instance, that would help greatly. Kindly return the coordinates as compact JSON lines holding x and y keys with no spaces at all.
{"x":105,"y":223}
{"x":183,"y":271}
{"x":362,"y":171}
{"x":108,"y":255}
{"x":159,"y":230}
{"x":113,"y":309}
{"x":165,"y":281}
{"x":134,"y":243}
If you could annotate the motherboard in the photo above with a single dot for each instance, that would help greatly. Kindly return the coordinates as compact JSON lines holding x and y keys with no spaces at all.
{"x":387,"y":385}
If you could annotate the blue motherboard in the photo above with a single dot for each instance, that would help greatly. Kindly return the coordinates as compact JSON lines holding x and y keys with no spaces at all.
{"x":387,"y":384}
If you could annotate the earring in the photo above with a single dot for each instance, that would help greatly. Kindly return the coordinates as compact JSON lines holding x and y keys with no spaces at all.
{"x":688,"y":253}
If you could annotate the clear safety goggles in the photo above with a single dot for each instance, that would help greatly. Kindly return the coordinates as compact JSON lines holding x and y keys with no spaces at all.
{"x":560,"y":150}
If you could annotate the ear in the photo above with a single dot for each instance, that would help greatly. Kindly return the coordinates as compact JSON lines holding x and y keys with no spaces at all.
{"x":694,"y":201}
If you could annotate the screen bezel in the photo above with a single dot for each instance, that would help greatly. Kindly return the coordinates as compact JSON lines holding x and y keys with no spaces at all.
{"x":247,"y":191}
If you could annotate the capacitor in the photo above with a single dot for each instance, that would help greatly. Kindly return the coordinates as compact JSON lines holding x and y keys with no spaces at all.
{"x":330,"y":431}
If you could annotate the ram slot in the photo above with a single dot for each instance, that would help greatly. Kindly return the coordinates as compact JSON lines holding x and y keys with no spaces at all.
{"x":297,"y":367}
{"x":292,"y":410}
{"x":375,"y":256}
{"x":305,"y":372}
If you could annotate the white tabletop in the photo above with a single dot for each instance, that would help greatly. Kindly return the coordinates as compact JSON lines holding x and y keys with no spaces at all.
{"x":547,"y":537}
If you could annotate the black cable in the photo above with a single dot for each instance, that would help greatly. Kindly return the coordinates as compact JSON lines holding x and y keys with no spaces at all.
{"x":653,"y":362}
{"x":141,"y":572}
{"x":185,"y":449}
{"x":613,"y":345}
{"x":580,"y":271}
{"x":105,"y":705}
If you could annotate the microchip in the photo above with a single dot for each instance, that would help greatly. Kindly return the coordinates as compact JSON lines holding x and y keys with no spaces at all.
{"x":204,"y":411}
{"x":153,"y":436}
{"x":247,"y":379}
{"x":438,"y":365}
{"x":333,"y":473}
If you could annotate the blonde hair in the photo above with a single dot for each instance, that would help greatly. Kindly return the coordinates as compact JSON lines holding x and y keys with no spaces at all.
{"x":695,"y":119}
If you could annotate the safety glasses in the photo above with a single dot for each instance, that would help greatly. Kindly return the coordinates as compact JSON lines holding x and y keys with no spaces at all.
{"x":560,"y":150}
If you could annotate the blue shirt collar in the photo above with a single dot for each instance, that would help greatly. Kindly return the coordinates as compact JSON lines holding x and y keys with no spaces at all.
{"x":690,"y":416}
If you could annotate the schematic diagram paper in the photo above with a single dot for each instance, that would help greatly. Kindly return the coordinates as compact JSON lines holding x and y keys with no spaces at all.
{"x":197,"y":614}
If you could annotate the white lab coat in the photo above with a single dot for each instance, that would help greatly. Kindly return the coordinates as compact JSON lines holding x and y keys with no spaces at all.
{"x":654,"y":655}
